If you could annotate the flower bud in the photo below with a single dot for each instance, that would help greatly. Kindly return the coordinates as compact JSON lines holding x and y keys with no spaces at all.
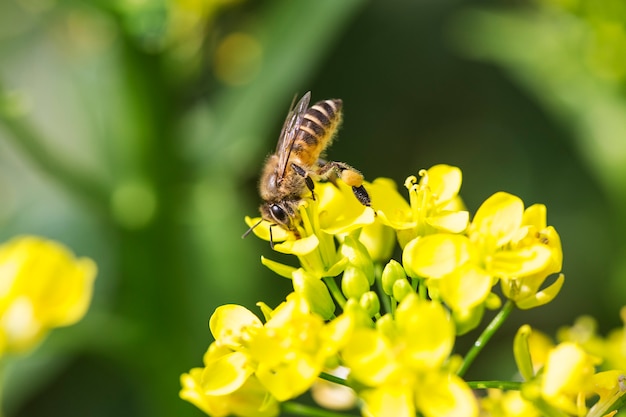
{"x":358,"y":256}
{"x":401,"y":288}
{"x":379,"y":240}
{"x":392,"y":272}
{"x":521,"y":352}
{"x":469,"y":319}
{"x":354,"y":282}
{"x":387,"y":326}
{"x":370,"y":302}
{"x":314,"y":292}
{"x":357,"y":313}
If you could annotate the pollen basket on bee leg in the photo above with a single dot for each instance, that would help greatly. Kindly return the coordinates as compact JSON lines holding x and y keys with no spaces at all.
{"x":352,"y":177}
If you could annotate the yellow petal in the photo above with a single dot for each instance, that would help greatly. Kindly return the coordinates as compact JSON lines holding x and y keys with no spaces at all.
{"x":449,"y":221}
{"x":429,"y":347}
{"x":226,"y":375}
{"x":542,"y":297}
{"x":262,"y":229}
{"x":498,"y":218}
{"x":522,"y":262}
{"x":387,"y":401}
{"x":466,"y":287}
{"x":193,"y":392}
{"x":391,"y":207}
{"x":300,"y":247}
{"x":567,"y":371}
{"x":228,"y":323}
{"x":435,"y":256}
{"x":535,"y":215}
{"x":369,"y":356}
{"x":281,"y":269}
{"x":339,"y":210}
{"x":444,"y":182}
{"x":446,"y":395}
{"x":252,"y":400}
{"x":289,"y":379}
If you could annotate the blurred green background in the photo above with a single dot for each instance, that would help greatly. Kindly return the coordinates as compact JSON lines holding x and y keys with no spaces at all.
{"x":134,"y":131}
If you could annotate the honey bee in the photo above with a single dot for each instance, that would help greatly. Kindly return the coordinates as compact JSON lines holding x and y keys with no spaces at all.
{"x":288,"y":174}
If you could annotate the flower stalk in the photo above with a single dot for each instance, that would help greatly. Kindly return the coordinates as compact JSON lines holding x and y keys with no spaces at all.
{"x":485,"y":336}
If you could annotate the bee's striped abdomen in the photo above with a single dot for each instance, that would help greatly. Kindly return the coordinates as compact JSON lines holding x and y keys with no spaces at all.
{"x":316,"y":130}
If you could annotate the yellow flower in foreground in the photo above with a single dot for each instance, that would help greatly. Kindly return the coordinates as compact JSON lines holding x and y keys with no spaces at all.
{"x":507,"y":404}
{"x":293,"y":348}
{"x":252,"y":364}
{"x":248,"y":399}
{"x":42,"y":286}
{"x":401,"y":364}
{"x":567,"y":377}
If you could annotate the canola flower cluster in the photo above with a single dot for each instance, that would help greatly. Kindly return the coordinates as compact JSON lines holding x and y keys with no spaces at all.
{"x":390,"y":326}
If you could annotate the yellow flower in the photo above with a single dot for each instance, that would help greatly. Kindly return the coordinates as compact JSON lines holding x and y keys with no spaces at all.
{"x":401,"y":364}
{"x":252,"y":364}
{"x":567,"y":377}
{"x":293,"y":347}
{"x":609,"y":386}
{"x":611,"y":349}
{"x":249,"y":398}
{"x":615,"y":346}
{"x":507,"y":404}
{"x":42,"y":286}
{"x":504,"y":242}
{"x":434,"y":204}
{"x":516,"y":246}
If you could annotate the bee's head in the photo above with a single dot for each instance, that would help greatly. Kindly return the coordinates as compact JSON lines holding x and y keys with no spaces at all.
{"x":280,"y":213}
{"x":283,"y":213}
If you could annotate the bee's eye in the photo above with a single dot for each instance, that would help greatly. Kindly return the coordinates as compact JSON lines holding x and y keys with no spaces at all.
{"x":278,"y":213}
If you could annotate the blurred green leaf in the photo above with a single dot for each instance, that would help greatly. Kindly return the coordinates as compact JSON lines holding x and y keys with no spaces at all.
{"x":547,"y":53}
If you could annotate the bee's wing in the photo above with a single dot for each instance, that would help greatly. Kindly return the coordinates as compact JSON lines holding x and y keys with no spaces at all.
{"x":289,"y":131}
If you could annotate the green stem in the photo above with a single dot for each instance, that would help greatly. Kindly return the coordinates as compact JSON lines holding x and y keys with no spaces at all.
{"x":2,"y":385}
{"x":335,"y":291}
{"x":385,"y":300}
{"x":24,"y":136}
{"x":421,"y":288}
{"x":307,"y":410}
{"x":335,"y":379}
{"x":485,"y":336}
{"x":504,"y":385}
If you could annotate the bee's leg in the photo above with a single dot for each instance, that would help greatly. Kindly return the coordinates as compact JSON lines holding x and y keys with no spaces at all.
{"x":307,"y":179}
{"x":326,"y":174}
{"x":361,"y":194}
{"x":350,"y":176}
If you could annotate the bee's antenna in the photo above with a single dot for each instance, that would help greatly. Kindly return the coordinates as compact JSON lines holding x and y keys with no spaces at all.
{"x":255,"y":225}
{"x":252,"y":228}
